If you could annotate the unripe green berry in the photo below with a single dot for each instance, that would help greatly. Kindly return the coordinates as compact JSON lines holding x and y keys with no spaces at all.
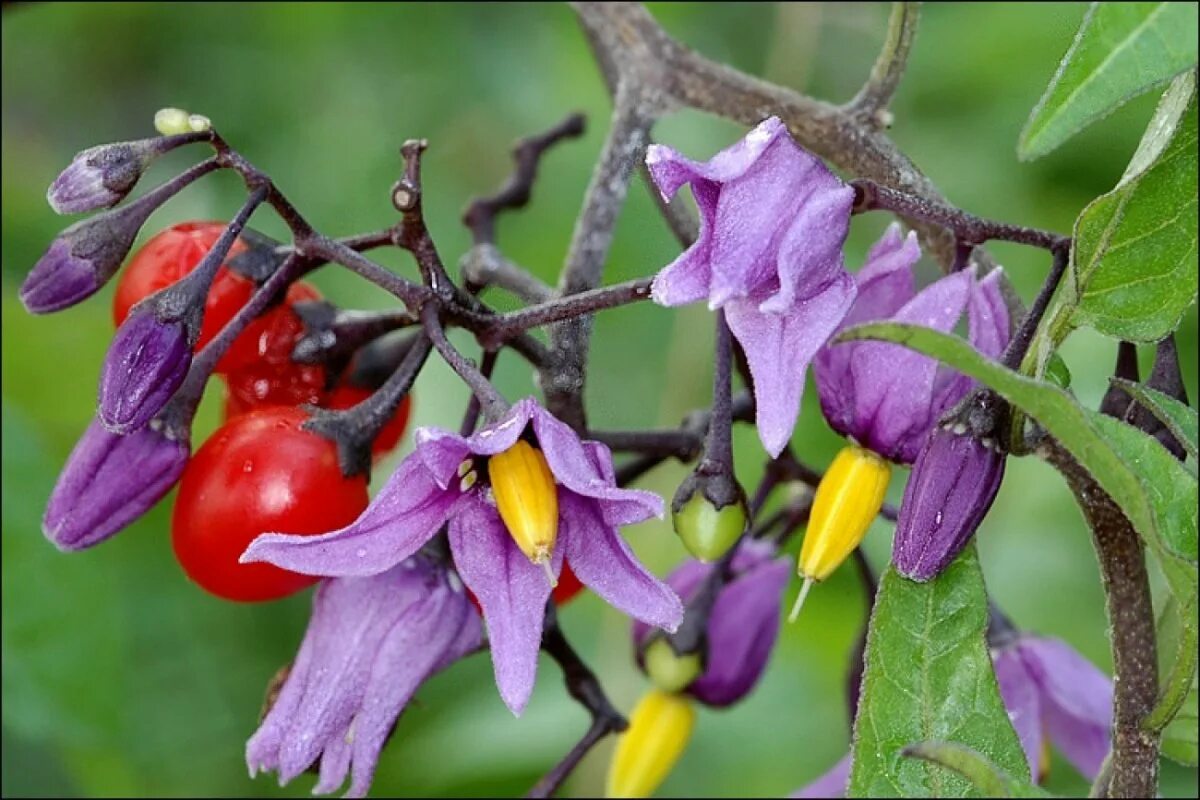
{"x":707,"y":531}
{"x":670,"y":672}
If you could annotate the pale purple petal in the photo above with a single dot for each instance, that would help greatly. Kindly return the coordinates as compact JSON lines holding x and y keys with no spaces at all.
{"x":779,"y":348}
{"x":1076,"y":700}
{"x":403,"y":516}
{"x":603,"y":561}
{"x":1020,"y":696}
{"x":832,"y":784}
{"x":670,"y":170}
{"x":988,"y":331}
{"x":512,"y":592}
{"x":810,"y":255}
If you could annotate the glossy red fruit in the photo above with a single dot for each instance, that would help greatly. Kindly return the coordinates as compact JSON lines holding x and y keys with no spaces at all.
{"x":273,"y":385}
{"x":387,"y":439}
{"x":568,"y":586}
{"x":168,"y":257}
{"x":270,"y":338}
{"x":260,"y":472}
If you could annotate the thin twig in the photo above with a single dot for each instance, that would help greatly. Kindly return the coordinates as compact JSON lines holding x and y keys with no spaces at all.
{"x":871,"y":103}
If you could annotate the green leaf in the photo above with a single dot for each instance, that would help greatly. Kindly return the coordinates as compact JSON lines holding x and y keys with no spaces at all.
{"x":1177,"y":657}
{"x":929,"y":678}
{"x":1153,"y":489}
{"x":1179,"y":738}
{"x":1120,"y":51}
{"x":1179,"y":418}
{"x":1133,"y":262}
{"x":983,"y":774}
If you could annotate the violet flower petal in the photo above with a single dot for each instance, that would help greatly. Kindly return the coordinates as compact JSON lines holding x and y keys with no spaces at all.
{"x":832,"y":784}
{"x":779,"y":348}
{"x":108,"y":482}
{"x":511,"y":590}
{"x":405,"y":514}
{"x":602,"y":560}
{"x":1020,"y":696}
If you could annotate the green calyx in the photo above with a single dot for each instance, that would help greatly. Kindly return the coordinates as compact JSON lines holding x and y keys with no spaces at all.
{"x":668,"y":671}
{"x":708,"y":532}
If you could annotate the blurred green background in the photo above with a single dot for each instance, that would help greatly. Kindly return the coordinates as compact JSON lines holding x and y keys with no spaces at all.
{"x":121,"y":678}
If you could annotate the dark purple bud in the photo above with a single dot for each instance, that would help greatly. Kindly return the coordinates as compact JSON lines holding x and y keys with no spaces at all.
{"x":146,"y":362}
{"x":953,"y":483}
{"x":101,"y":176}
{"x":109,"y":481}
{"x":1165,"y":377}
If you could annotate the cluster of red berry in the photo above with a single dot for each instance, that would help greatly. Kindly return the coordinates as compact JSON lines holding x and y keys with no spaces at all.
{"x":260,"y":471}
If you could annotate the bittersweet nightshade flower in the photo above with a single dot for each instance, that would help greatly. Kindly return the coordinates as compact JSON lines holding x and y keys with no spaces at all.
{"x":772,"y":223}
{"x":885,"y":397}
{"x":953,"y":483}
{"x":742,"y":625}
{"x":1052,"y":692}
{"x":446,"y":480}
{"x":101,"y":176}
{"x":659,"y":729}
{"x":109,"y":481}
{"x":370,"y":644}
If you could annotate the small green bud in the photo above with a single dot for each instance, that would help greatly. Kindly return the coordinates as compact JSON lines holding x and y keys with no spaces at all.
{"x":670,"y":672}
{"x":706,"y":530}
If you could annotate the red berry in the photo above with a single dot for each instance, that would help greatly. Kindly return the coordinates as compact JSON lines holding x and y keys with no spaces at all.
{"x":167,"y":258}
{"x":260,"y":472}
{"x":271,"y":337}
{"x":349,"y":396}
{"x":568,"y":586}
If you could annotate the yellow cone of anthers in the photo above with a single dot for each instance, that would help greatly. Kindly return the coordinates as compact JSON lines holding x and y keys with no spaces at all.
{"x":659,"y":729}
{"x":527,"y":500}
{"x":849,"y":497}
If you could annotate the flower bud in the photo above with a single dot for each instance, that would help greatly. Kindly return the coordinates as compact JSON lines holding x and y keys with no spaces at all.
{"x":169,"y":121}
{"x":847,"y":500}
{"x":527,"y":499}
{"x":146,"y":362}
{"x":670,"y":671}
{"x":109,"y":481}
{"x":101,"y":176}
{"x":709,"y":514}
{"x":658,"y":732}
{"x":953,"y":483}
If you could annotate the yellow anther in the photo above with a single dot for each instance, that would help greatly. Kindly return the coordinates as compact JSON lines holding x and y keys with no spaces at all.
{"x":849,"y":497}
{"x":527,"y":500}
{"x":658,"y":732}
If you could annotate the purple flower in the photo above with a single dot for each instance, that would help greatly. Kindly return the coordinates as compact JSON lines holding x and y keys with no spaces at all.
{"x":101,"y":176}
{"x":146,"y":362}
{"x":885,"y":396}
{"x":772,"y":223}
{"x":1052,"y":692}
{"x":444,"y":480}
{"x":1049,"y":691}
{"x":109,"y":481}
{"x":742,"y":626}
{"x":953,"y":483}
{"x":371,"y":642}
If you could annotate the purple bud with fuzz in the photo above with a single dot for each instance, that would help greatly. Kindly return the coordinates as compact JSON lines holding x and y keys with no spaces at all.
{"x":109,"y":481}
{"x":101,"y":176}
{"x":953,"y":483}
{"x":146,"y":362}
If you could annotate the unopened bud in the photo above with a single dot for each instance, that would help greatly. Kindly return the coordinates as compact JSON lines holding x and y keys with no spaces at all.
{"x":527,"y":499}
{"x":659,"y":730}
{"x":146,"y":362}
{"x":101,"y":176}
{"x":847,"y":500}
{"x":709,"y":513}
{"x":168,"y":121}
{"x":670,"y":671}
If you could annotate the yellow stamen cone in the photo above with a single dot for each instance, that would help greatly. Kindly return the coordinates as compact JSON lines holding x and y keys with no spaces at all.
{"x":659,"y":730}
{"x":527,"y":500}
{"x":848,"y":499}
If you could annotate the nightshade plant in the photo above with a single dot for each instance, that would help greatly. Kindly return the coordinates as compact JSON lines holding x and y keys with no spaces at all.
{"x":521,"y":492}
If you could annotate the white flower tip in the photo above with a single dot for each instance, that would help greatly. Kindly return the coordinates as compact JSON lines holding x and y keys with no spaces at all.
{"x":545,"y":562}
{"x":795,"y":613}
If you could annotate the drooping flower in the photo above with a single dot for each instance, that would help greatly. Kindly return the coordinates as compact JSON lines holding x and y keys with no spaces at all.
{"x":742,"y":625}
{"x":109,"y":481}
{"x":772,"y":223}
{"x":1051,"y":693}
{"x":885,"y":397}
{"x":502,"y":550}
{"x":370,"y":644}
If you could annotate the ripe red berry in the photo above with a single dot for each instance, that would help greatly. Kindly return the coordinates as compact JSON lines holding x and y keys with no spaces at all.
{"x":270,"y":338}
{"x":568,"y":586}
{"x":260,"y":472}
{"x":345,"y":396}
{"x":168,"y":257}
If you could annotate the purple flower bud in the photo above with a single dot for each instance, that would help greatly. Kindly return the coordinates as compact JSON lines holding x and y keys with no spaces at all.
{"x":109,"y":481}
{"x":101,"y":176}
{"x":953,"y":483}
{"x":146,"y":362}
{"x":742,"y":626}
